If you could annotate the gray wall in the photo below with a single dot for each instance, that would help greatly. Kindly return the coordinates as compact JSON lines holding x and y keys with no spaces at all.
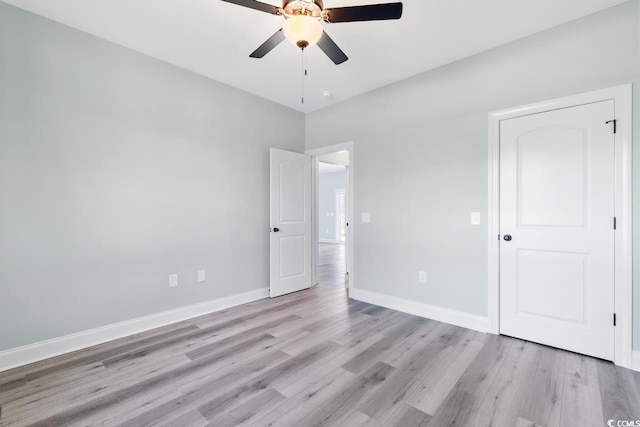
{"x":328,"y":183}
{"x":421,"y":153}
{"x":115,"y":171}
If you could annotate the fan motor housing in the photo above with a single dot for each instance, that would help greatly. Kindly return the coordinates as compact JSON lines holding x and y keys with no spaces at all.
{"x":302,"y":7}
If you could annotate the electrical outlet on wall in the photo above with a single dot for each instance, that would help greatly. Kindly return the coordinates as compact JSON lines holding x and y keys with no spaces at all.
{"x":366,"y":217}
{"x":422,"y":276}
{"x":475,"y":218}
{"x":201,"y":276}
{"x":173,"y":280}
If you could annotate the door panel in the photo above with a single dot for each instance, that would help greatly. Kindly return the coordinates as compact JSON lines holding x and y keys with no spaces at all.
{"x":540,"y":274}
{"x":557,"y":203}
{"x":290,"y":239}
{"x":551,"y":187}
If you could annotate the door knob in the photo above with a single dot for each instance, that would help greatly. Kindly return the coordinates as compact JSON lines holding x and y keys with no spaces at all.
{"x":507,"y":237}
{"x":276,"y":229}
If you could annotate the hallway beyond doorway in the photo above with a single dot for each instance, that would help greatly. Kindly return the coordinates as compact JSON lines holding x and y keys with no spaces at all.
{"x":332,"y":267}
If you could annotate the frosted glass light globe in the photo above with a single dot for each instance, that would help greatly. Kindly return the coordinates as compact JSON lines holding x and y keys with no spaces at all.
{"x":302,"y":30}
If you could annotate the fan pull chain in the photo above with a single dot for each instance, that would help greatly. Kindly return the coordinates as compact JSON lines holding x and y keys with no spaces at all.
{"x":304,"y":70}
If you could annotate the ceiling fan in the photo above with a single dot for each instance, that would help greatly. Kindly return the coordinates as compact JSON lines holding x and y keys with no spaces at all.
{"x":302,"y":26}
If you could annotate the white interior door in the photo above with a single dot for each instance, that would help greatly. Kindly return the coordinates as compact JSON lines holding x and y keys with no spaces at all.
{"x":557,"y":209}
{"x":290,"y":245}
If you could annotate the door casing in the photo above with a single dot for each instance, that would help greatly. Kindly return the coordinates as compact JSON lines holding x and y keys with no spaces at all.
{"x":622,"y":96}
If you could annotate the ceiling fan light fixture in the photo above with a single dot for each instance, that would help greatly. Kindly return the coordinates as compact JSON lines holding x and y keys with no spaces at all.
{"x":303,"y":30}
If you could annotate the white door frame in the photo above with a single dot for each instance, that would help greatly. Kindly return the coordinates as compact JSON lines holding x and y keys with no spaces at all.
{"x":314,"y":153}
{"x":622,"y":96}
{"x":337,"y":210}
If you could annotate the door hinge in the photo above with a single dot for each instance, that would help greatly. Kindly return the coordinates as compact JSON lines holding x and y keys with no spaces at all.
{"x":614,"y":319}
{"x":615,"y":223}
{"x":615,"y":125}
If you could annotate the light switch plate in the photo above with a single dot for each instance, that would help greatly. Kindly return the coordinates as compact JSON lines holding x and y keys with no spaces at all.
{"x":366,"y":217}
{"x":201,"y":276}
{"x":475,"y":218}
{"x":173,"y":280}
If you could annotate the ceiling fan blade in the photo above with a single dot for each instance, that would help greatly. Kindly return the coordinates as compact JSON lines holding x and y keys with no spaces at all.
{"x":251,"y":4}
{"x":269,"y":45}
{"x":371,"y":12}
{"x":331,"y":49}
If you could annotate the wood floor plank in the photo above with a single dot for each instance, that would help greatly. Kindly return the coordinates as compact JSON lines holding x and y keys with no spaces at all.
{"x":190,"y":418}
{"x":394,"y":391}
{"x":199,"y":392}
{"x":84,"y":391}
{"x":463,"y":403}
{"x":341,"y":399}
{"x":620,"y":400}
{"x":342,"y":353}
{"x":581,"y":403}
{"x":247,"y":411}
{"x":521,"y":422}
{"x":430,"y":391}
{"x":543,"y":403}
{"x":313,"y":395}
{"x":286,"y":370}
{"x":356,"y":418}
{"x":406,"y":415}
{"x":511,"y":387}
{"x":374,"y":353}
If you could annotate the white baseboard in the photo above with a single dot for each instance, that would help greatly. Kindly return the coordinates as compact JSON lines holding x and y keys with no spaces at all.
{"x":635,"y":360}
{"x":446,"y":315}
{"x":20,"y":356}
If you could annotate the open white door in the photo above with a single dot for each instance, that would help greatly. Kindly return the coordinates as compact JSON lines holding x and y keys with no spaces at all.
{"x":290,"y":244}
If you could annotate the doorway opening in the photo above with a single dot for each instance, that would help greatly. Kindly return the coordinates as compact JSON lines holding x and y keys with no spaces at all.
{"x":332,"y":209}
{"x":332,"y":223}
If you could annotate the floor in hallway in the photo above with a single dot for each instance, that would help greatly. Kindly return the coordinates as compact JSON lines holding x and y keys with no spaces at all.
{"x":332,"y":266}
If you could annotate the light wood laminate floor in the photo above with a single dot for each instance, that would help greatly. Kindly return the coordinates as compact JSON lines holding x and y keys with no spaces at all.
{"x":332,"y":264}
{"x":316,"y":358}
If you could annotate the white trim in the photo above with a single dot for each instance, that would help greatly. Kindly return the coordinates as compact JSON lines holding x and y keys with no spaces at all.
{"x":446,"y":315}
{"x":20,"y":356}
{"x":337,"y":208}
{"x":348,"y":146}
{"x":621,"y":95}
{"x":635,"y":360}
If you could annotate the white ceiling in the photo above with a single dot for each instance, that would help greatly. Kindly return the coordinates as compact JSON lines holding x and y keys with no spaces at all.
{"x":214,"y":38}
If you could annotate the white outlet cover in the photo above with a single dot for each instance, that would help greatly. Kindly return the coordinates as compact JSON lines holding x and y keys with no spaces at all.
{"x":366,"y":217}
{"x":422,"y":276}
{"x":173,"y":280}
{"x":475,"y":218}
{"x":201,"y":276}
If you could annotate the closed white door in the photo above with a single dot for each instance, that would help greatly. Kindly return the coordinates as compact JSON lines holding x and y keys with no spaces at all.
{"x":557,"y":228}
{"x":290,"y":246}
